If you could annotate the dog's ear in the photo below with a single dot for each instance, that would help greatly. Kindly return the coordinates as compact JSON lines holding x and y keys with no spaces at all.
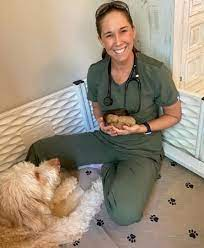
{"x":37,"y":175}
{"x":40,"y":178}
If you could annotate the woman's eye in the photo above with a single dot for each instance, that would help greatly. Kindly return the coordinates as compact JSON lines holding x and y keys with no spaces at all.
{"x":124,"y":31}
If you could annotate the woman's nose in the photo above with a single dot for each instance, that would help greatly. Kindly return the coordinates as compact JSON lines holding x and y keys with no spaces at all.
{"x":117,"y":39}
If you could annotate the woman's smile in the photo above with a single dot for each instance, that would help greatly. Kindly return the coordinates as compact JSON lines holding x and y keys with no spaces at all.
{"x":119,"y":51}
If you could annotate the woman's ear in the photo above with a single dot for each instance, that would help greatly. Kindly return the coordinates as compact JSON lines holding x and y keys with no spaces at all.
{"x":100,"y":40}
{"x":134,"y":32}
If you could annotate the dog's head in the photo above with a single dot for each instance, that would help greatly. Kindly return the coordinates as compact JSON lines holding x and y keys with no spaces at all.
{"x":25,"y":193}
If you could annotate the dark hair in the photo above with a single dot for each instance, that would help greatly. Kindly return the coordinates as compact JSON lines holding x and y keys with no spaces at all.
{"x":106,"y":8}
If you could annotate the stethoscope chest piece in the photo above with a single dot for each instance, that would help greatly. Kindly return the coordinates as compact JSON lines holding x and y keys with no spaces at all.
{"x":108,"y":101}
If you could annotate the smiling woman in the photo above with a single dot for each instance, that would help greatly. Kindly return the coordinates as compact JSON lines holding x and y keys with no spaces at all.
{"x":131,"y":154}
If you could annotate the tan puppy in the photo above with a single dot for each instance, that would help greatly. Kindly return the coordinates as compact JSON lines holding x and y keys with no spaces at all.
{"x":119,"y":121}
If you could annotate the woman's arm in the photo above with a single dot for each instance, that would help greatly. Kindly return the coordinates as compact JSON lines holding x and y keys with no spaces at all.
{"x":171,"y":116}
{"x":97,"y":111}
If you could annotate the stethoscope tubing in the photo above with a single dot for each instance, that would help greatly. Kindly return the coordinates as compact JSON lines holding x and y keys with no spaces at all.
{"x":108,"y":101}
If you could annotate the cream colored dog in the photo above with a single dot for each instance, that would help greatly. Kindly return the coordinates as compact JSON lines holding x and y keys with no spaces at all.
{"x":32,"y":200}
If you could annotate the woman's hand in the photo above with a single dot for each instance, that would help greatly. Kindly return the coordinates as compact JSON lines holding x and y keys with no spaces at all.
{"x":129,"y":130}
{"x":113,"y":131}
{"x":106,"y":129}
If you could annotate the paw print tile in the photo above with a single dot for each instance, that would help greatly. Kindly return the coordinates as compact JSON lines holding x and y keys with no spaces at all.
{"x":154,"y":218}
{"x":76,"y":242}
{"x":173,"y":163}
{"x":131,"y":238}
{"x":189,"y":185}
{"x":172,"y":201}
{"x":159,"y":176}
{"x":100,"y":222}
{"x":88,"y":172}
{"x":192,"y":233}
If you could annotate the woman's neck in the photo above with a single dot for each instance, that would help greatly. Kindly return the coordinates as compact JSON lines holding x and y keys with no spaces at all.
{"x":121,"y":71}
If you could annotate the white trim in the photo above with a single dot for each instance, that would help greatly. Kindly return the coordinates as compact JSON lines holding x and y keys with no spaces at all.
{"x":86,"y":105}
{"x":200,"y":139}
{"x":82,"y":95}
{"x":184,"y":159}
{"x":178,"y":37}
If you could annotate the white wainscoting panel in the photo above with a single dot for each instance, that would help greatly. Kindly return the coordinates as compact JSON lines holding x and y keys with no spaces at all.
{"x":59,"y":113}
{"x":184,"y":135}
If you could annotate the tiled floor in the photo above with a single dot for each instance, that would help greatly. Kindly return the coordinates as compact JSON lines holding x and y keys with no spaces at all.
{"x":173,"y":218}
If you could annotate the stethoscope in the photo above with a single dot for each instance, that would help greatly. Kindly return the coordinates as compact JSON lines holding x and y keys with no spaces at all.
{"x":134,"y":76}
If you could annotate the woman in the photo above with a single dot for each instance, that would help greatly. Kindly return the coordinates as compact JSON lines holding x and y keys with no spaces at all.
{"x":131,"y":156}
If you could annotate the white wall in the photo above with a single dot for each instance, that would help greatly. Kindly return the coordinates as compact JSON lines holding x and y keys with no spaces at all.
{"x":44,"y":45}
{"x":154,"y":25}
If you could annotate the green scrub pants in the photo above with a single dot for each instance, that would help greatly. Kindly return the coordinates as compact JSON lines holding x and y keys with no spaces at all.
{"x":127,"y":180}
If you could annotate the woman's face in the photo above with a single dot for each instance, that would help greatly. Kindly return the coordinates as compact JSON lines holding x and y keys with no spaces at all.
{"x":117,"y":36}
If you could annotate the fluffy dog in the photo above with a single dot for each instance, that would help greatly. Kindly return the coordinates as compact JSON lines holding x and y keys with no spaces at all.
{"x":32,"y":200}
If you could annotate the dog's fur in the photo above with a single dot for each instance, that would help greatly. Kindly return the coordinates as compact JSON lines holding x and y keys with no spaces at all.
{"x":33,"y":198}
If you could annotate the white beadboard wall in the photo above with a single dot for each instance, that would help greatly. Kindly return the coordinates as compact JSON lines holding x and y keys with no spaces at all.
{"x":154,"y":21}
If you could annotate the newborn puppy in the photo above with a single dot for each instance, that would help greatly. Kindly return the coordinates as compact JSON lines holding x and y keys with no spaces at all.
{"x":119,"y":121}
{"x":118,"y":118}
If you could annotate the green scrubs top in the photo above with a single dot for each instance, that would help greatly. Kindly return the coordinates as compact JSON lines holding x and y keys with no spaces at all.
{"x":157,"y":90}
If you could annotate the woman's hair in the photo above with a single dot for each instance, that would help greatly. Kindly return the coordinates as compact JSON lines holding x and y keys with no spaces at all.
{"x":105,"y":9}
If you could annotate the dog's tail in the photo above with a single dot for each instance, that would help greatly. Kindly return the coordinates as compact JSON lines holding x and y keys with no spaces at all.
{"x":68,"y":229}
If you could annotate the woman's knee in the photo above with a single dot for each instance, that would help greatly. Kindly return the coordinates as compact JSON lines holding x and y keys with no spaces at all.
{"x":127,"y":189}
{"x":124,"y":213}
{"x":40,"y":151}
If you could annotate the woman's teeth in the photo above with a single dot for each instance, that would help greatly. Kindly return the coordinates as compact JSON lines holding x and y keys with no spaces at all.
{"x":119,"y":51}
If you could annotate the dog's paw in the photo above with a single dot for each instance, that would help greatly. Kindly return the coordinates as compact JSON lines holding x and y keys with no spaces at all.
{"x":65,"y":206}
